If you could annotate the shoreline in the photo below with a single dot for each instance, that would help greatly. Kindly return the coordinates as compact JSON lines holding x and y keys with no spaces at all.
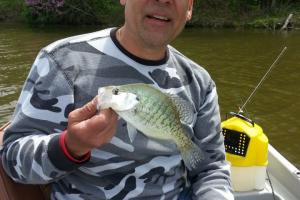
{"x":271,"y":23}
{"x":239,"y":15}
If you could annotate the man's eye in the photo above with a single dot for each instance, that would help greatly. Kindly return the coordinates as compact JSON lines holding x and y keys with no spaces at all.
{"x":115,"y":91}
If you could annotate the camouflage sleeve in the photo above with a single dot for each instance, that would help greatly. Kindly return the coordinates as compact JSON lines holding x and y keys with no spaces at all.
{"x":32,"y":152}
{"x":212,"y":179}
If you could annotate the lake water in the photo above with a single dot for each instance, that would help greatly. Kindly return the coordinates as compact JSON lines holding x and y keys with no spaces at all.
{"x":236,"y":59}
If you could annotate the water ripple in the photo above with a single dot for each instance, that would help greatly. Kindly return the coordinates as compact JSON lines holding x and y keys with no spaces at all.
{"x":6,"y":111}
{"x":8,"y":90}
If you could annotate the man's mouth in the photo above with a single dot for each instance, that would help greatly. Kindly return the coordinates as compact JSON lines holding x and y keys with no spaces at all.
{"x":158,"y":17}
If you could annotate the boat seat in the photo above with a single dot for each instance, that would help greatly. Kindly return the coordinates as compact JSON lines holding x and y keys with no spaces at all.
{"x":10,"y":190}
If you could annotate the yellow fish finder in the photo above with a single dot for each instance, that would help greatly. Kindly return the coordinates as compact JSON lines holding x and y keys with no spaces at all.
{"x":246,"y":148}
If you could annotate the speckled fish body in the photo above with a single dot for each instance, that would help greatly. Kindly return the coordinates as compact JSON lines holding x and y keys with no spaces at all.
{"x":154,"y":113}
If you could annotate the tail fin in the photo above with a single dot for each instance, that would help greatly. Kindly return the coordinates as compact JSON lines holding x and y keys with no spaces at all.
{"x":192,"y":155}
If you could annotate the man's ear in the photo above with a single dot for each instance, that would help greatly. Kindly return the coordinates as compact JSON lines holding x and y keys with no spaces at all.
{"x":190,"y":10}
{"x":123,"y":2}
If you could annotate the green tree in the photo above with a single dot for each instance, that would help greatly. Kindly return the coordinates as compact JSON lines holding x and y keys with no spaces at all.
{"x":11,"y":9}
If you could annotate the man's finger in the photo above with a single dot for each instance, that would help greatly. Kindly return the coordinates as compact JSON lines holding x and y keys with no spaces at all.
{"x":85,"y":112}
{"x":102,"y":120}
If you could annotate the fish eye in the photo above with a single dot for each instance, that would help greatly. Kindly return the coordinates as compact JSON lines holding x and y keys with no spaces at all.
{"x":115,"y":91}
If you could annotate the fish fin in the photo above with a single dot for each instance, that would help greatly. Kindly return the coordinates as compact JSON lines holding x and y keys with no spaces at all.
{"x":192,"y":155}
{"x":131,"y":132}
{"x":185,"y":109}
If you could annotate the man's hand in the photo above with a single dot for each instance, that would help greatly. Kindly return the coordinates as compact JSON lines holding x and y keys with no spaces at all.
{"x":88,"y":129}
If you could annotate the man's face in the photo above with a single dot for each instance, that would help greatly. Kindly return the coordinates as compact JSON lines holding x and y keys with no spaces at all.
{"x":155,"y":23}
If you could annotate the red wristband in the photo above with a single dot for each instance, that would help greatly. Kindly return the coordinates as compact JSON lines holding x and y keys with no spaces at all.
{"x":66,"y":152}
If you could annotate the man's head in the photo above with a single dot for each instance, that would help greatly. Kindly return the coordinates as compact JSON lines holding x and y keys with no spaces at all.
{"x":155,"y":23}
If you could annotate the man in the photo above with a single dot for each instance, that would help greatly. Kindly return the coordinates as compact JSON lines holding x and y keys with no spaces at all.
{"x":58,"y":136}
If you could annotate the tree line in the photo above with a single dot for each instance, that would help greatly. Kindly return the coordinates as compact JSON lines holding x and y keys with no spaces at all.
{"x":252,"y":13}
{"x":214,"y":13}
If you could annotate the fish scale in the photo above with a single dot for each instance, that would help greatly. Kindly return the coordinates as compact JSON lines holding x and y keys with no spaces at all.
{"x":158,"y":117}
{"x":147,"y":116}
{"x":155,"y":114}
{"x":150,"y":112}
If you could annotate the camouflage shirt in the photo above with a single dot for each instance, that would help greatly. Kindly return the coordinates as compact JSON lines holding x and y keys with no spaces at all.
{"x":66,"y":75}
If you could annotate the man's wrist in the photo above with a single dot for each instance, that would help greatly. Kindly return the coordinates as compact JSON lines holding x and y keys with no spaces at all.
{"x":71,"y":155}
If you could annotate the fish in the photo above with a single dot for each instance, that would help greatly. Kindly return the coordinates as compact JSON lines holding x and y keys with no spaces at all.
{"x":155,"y":114}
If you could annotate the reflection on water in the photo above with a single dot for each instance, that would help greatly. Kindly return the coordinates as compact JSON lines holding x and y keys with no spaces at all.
{"x":236,"y":59}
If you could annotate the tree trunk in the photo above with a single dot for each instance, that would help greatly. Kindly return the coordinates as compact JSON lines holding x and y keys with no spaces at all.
{"x":287,"y":22}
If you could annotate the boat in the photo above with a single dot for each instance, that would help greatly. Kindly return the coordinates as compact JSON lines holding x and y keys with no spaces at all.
{"x":282,"y":182}
{"x":261,"y":173}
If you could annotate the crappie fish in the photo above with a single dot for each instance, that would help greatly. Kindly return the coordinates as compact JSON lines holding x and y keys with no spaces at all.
{"x":155,"y":114}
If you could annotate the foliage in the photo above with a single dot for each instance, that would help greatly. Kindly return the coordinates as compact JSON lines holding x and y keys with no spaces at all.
{"x":208,"y":13}
{"x":43,"y":11}
{"x":10,"y":9}
{"x":71,"y":11}
{"x":251,"y":13}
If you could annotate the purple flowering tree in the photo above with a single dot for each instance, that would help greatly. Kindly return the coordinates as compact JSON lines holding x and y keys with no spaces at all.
{"x":39,"y":6}
{"x":71,"y":11}
{"x":44,"y":11}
